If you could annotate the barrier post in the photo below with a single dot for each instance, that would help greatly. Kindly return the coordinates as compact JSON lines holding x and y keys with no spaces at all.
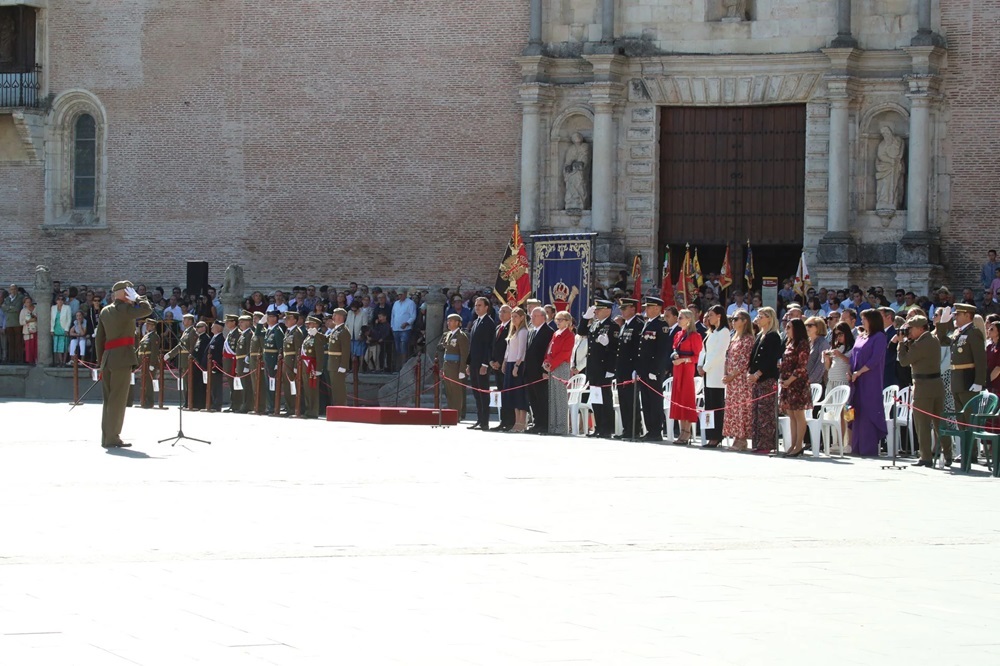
{"x":418,"y":384}
{"x":143,"y":369}
{"x":76,"y":380}
{"x":298,"y":387}
{"x":189,"y":371}
{"x":163,"y":386}
{"x":208,"y":385}
{"x":257,"y":381}
{"x":437,"y":385}
{"x":278,"y":374}
{"x":355,"y":371}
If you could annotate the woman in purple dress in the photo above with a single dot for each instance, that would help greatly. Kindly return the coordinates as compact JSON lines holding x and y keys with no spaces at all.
{"x":867,"y":364}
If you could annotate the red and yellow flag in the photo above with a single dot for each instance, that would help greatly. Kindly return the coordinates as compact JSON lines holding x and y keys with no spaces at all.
{"x":513,"y":285}
{"x":667,"y":287}
{"x":726,"y":274}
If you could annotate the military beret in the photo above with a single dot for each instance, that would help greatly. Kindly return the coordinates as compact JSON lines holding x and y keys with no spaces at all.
{"x":650,"y":300}
{"x":627,"y":301}
{"x":340,"y":311}
{"x":314,"y":320}
{"x":188,"y":315}
{"x":455,"y":316}
{"x":231,"y":317}
{"x":966,"y":308}
{"x":601,"y":303}
{"x":121,"y":284}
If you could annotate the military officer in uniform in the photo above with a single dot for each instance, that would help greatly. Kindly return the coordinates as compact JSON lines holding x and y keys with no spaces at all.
{"x":338,"y":358}
{"x":921,"y":353}
{"x":326,"y":383}
{"x":200,"y":359}
{"x":215,"y":358}
{"x":114,"y":344}
{"x":255,"y":403}
{"x":291,"y":344}
{"x":232,"y":334}
{"x":968,"y":354}
{"x":454,"y":346}
{"x":312,"y":358}
{"x":183,"y":352}
{"x":242,"y":350}
{"x":149,"y":356}
{"x":628,"y":351}
{"x":602,"y":354}
{"x":273,"y":338}
{"x":651,"y":367}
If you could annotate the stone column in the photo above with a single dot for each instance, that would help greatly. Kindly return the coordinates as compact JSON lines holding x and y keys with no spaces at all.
{"x":530,"y":124}
{"x":608,"y":21}
{"x":42,"y":295}
{"x":602,"y":200}
{"x":535,"y":29}
{"x":434,"y":318}
{"x":844,"y":38}
{"x":925,"y":35}
{"x":918,"y":173}
{"x":839,"y":175}
{"x":837,"y":247}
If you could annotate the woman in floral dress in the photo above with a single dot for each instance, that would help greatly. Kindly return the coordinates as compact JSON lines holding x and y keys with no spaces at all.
{"x":796,"y":397}
{"x":738,"y":408}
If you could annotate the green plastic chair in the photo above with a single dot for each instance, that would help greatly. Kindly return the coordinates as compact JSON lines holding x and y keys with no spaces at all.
{"x":980,"y":408}
{"x":991,"y":436}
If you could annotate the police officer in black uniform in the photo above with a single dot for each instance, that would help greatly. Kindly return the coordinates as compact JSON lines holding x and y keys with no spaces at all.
{"x":602,"y":354}
{"x":628,"y":352}
{"x":651,"y":367}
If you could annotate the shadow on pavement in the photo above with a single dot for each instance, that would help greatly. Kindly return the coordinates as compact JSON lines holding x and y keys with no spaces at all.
{"x":129,"y":453}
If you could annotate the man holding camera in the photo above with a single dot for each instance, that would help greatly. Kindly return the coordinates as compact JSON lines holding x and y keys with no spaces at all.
{"x":921,"y":352}
{"x":115,"y":347}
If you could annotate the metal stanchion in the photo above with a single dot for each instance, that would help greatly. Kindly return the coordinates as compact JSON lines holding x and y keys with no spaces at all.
{"x":355,"y":371}
{"x":208,"y":385}
{"x":278,"y":374}
{"x":436,"y":372}
{"x":163,"y":385}
{"x":298,"y":387}
{"x":257,"y":381}
{"x":143,"y":370}
{"x":76,"y":380}
{"x":418,"y":384}
{"x":190,"y":373}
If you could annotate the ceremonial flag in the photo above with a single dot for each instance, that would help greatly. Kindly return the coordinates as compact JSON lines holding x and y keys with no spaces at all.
{"x":688,"y":287}
{"x":802,"y":281}
{"x":637,"y":278}
{"x":696,"y":270}
{"x":513,"y":285}
{"x":726,"y":274}
{"x":748,"y":272}
{"x":667,"y":287}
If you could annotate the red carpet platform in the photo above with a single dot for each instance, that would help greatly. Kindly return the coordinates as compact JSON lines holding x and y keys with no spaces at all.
{"x":393,"y":415}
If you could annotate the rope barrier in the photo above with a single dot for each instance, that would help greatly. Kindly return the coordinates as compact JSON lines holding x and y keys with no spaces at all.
{"x":953,"y":421}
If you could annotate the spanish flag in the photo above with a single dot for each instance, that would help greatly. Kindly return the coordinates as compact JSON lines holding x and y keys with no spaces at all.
{"x":513,"y":285}
{"x":726,"y":274}
{"x":689,"y":288}
{"x":802,"y":281}
{"x":696,"y":271}
{"x":667,"y":287}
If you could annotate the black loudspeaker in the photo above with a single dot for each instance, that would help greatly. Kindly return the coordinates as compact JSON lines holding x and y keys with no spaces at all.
{"x":197,"y":282}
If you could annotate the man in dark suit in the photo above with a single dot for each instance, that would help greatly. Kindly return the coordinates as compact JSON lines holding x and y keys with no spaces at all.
{"x":602,"y":355}
{"x":538,"y":393}
{"x":891,"y":364}
{"x":499,"y":351}
{"x":201,"y":358}
{"x":670,"y":314}
{"x":215,"y":346}
{"x":480,"y":353}
{"x":652,"y":362}
{"x":628,"y":352}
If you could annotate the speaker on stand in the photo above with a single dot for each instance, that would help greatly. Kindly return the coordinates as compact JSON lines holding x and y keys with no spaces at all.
{"x":197,"y":278}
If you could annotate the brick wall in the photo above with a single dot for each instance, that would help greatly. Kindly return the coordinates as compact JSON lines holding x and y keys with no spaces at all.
{"x":373,"y":140}
{"x":973,"y":97}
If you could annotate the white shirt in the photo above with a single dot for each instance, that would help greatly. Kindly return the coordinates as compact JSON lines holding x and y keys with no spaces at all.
{"x":176,"y":311}
{"x":716,"y":345}
{"x":280,"y":307}
{"x":403,"y":312}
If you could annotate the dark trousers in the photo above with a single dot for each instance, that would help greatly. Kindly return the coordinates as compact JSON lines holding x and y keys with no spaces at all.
{"x":15,"y":344}
{"x":715,"y":398}
{"x":482,"y":396}
{"x":538,"y":400}
{"x":325,"y":399}
{"x":269,"y":371}
{"x":652,"y":409}
{"x":216,"y":390}
{"x":506,"y":410}
{"x":626,"y":402}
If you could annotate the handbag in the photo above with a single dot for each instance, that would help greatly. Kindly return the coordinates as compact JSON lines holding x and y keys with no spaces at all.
{"x":848,"y":414}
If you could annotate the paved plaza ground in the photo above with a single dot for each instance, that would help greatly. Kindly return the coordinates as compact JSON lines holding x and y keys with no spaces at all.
{"x":306,"y":542}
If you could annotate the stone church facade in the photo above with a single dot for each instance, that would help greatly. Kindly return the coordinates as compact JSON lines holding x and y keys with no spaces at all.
{"x":392,"y":142}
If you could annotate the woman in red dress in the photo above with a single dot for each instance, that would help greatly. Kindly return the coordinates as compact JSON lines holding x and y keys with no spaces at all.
{"x":687,"y":348}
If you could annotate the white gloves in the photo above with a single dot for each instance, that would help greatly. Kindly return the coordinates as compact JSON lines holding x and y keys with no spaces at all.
{"x":589,"y":314}
{"x":945,"y":314}
{"x":976,"y":388}
{"x":130,"y":294}
{"x":603,"y":339}
{"x":165,"y":357}
{"x":342,"y":370}
{"x":461,"y":375}
{"x":152,"y":369}
{"x":609,"y":374}
{"x":634,"y":375}
{"x":652,"y":376}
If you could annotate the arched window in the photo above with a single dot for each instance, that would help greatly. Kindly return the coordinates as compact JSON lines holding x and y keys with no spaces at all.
{"x":84,"y":162}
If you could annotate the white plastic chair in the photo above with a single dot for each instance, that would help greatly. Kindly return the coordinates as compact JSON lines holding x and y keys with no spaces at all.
{"x":699,"y":402}
{"x":889,"y":394}
{"x":577,"y":409}
{"x":825,"y":428}
{"x":816,"y":391}
{"x":668,"y":385}
{"x":619,"y":429}
{"x":903,"y":418}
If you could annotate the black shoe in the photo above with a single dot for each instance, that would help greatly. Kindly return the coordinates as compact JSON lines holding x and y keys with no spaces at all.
{"x":501,"y":428}
{"x":474,"y":426}
{"x":947,"y":461}
{"x":593,"y":434}
{"x":107,"y":446}
{"x":650,"y":437}
{"x":122,"y":445}
{"x":922,"y":463}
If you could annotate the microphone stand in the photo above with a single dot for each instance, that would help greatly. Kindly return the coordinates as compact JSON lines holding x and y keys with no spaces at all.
{"x":180,"y":422}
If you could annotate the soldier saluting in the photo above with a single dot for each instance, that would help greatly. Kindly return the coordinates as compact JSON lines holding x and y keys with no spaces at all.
{"x":602,"y":354}
{"x":115,"y":347}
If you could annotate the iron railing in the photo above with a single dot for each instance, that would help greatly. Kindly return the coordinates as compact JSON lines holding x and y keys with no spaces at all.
{"x":21,"y":89}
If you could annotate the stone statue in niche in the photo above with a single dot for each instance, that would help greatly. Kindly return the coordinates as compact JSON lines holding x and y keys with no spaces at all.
{"x":736,"y":10}
{"x":889,"y":171}
{"x":575,"y":168}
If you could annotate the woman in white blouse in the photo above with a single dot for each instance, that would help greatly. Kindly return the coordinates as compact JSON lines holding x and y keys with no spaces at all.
{"x":513,"y":379}
{"x":716,"y":345}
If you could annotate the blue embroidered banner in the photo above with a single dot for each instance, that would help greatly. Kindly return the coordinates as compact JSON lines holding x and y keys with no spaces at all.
{"x":561,"y":271}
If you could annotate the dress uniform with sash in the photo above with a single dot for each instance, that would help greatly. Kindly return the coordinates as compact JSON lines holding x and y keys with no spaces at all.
{"x":338,"y":358}
{"x":326,"y":380}
{"x":628,"y":353}
{"x":291,"y":344}
{"x":968,"y":359}
{"x":454,"y":346}
{"x":115,"y":348}
{"x":651,"y":367}
{"x":312,"y":357}
{"x":923,"y":357}
{"x":602,"y":356}
{"x":215,"y":357}
{"x":256,"y":403}
{"x":149,"y":356}
{"x":183,"y":352}
{"x":232,"y":334}
{"x":273,"y":338}
{"x":242,"y":350}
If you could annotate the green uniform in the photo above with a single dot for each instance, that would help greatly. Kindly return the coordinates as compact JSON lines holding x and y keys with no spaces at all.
{"x":255,"y":402}
{"x":338,"y":361}
{"x":923,"y":357}
{"x":455,"y":346}
{"x":968,"y":360}
{"x":291,"y":344}
{"x":242,"y":350}
{"x":272,"y":351}
{"x":183,"y":351}
{"x":235,"y":397}
{"x":115,"y":350}
{"x":312,"y":366}
{"x":149,"y":357}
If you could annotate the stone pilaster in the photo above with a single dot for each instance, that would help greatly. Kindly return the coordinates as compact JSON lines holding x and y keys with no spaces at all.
{"x":42,"y":294}
{"x":845,"y":37}
{"x":534,"y":46}
{"x":533,"y":97}
{"x":606,"y":92}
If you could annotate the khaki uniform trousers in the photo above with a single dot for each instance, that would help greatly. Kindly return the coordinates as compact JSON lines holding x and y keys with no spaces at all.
{"x":928,"y":395}
{"x":454,"y":393}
